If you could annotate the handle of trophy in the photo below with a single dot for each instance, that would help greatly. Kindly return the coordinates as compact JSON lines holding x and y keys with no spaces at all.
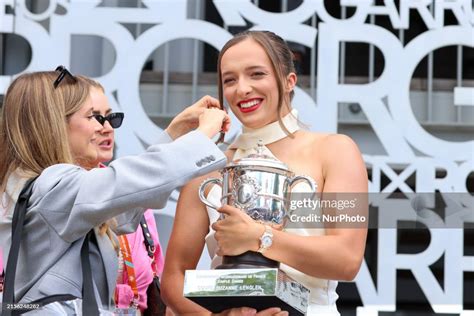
{"x":225,"y":198}
{"x":272,"y":196}
{"x":310,"y":181}
{"x":202,"y":188}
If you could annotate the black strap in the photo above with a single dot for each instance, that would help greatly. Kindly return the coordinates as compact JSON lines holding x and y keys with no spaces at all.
{"x":1,"y":281}
{"x":89,"y":303}
{"x":17,"y":230}
{"x":150,"y":245}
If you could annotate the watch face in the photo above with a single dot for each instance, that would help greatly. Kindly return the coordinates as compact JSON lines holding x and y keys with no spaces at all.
{"x":266,"y":241}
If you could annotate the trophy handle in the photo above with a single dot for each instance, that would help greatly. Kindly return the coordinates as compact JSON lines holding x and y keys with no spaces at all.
{"x":296,"y":179}
{"x":202,"y":188}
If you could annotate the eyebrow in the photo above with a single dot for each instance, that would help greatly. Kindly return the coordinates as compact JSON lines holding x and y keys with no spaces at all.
{"x":246,"y":69}
{"x":255,"y":67}
{"x":98,"y":112}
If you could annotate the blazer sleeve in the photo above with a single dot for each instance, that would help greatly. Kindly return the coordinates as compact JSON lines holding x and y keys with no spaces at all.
{"x":127,"y":223}
{"x":163,"y":138}
{"x":72,"y":200}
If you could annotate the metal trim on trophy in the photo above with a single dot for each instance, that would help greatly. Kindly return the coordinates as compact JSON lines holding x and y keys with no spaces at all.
{"x":260,"y":186}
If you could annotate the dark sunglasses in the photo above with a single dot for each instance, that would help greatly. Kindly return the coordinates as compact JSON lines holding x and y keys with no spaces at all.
{"x":115,"y":119}
{"x":62,"y":73}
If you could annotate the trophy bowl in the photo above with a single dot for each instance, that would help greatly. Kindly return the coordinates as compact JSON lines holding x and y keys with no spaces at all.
{"x":260,"y":186}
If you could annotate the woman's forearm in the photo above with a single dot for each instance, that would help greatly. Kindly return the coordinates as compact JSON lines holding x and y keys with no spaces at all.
{"x":335,"y":256}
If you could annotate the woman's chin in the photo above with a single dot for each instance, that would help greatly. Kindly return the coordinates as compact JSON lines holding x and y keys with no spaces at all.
{"x":105,"y":156}
{"x":254,"y":124}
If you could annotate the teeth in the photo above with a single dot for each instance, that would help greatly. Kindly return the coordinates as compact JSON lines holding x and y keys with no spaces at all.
{"x":249,"y":104}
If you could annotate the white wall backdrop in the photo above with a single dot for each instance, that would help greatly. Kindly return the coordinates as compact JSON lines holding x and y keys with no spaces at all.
{"x":119,"y":56}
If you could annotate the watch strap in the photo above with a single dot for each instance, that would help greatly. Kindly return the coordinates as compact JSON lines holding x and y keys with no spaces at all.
{"x":268,"y":233}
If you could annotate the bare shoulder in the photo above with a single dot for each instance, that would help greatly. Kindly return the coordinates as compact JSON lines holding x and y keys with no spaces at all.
{"x":335,"y":149}
{"x":309,"y":139}
{"x":339,"y":143}
{"x":325,"y":142}
{"x":342,"y":165}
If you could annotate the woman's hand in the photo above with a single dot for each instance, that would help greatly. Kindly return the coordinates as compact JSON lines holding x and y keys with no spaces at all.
{"x":246,"y":311}
{"x":237,"y":232}
{"x":213,"y":121}
{"x":190,"y":118}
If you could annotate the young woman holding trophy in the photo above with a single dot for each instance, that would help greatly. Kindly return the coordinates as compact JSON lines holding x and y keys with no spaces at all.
{"x":257,"y":78}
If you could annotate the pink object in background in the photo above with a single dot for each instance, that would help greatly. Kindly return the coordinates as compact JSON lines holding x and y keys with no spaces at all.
{"x":142,"y":264}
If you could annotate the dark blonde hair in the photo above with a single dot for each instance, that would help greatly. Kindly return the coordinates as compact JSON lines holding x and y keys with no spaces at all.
{"x":35,"y":113}
{"x":281,"y":59}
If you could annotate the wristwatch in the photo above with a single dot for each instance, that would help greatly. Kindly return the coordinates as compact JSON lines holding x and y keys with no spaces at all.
{"x":266,"y":240}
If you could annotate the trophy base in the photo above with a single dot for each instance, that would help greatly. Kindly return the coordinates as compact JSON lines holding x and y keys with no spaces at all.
{"x":248,"y":260}
{"x":218,"y":290}
{"x":258,"y":302}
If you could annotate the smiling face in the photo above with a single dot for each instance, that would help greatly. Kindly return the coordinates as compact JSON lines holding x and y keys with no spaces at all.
{"x":249,"y":84}
{"x":91,"y":142}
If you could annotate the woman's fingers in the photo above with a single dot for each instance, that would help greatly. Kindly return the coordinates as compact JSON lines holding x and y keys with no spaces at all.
{"x":241,"y":311}
{"x":272,"y":311}
{"x":211,"y":121}
{"x":208,"y":102}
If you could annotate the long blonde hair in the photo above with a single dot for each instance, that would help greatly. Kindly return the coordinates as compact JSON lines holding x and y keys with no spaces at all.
{"x":35,"y":113}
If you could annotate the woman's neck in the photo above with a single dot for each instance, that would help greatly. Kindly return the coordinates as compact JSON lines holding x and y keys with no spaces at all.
{"x":87,"y":164}
{"x":246,"y":142}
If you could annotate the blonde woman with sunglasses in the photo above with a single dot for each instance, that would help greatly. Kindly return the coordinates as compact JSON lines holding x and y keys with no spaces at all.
{"x":49,"y":128}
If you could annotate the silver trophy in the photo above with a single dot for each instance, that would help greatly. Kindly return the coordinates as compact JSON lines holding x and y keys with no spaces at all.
{"x":260,"y":186}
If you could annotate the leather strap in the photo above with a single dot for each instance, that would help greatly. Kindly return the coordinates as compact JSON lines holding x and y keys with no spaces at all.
{"x":149,"y":243}
{"x":17,"y":230}
{"x":89,"y":306}
{"x":1,"y":282}
{"x":89,"y":303}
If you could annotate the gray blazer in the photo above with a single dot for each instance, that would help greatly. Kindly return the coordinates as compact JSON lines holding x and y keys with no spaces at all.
{"x":68,"y":201}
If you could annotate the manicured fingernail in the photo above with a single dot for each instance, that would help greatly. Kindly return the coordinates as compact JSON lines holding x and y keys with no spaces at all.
{"x":249,"y":311}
